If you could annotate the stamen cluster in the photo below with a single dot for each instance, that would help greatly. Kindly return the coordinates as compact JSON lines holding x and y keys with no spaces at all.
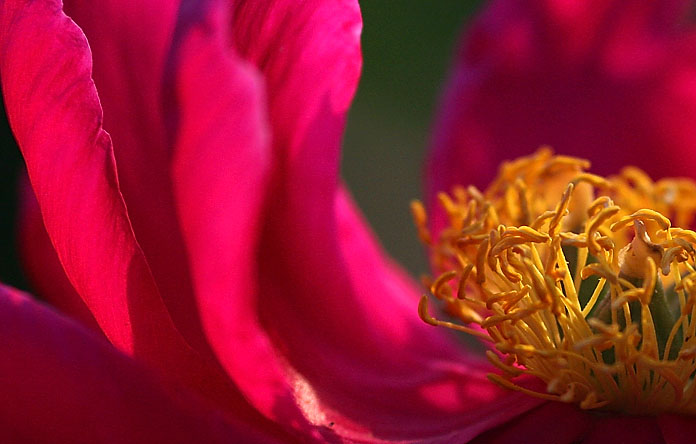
{"x":576,"y":280}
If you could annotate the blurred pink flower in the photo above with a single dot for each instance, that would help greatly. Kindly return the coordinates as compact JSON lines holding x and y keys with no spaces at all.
{"x":610,"y":81}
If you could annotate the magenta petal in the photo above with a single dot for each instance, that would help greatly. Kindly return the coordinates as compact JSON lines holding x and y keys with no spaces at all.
{"x":551,"y":423}
{"x":41,"y":263}
{"x":309,"y":54}
{"x":220,"y":173}
{"x":54,"y":111}
{"x":677,"y":429}
{"x":629,"y":429}
{"x":365,"y":366}
{"x":61,"y":383}
{"x":133,"y":45}
{"x":356,"y":358}
{"x":609,"y":81}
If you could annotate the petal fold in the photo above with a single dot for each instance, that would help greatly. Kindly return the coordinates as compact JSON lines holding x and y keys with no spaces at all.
{"x":220,"y":175}
{"x":134,"y":52}
{"x":55,"y":114}
{"x":338,"y":331}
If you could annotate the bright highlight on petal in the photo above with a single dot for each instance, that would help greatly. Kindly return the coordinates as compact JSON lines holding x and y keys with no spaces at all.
{"x":580,"y":281}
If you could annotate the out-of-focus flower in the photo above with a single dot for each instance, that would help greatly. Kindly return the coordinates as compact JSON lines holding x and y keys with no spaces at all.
{"x":609,"y":81}
{"x":187,"y":207}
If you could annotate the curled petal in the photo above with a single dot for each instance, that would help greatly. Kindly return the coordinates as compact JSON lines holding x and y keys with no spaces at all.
{"x":135,"y":55}
{"x":336,"y":323}
{"x":55,"y":114}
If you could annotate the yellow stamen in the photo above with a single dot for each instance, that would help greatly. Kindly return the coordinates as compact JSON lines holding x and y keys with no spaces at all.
{"x":595,"y":296}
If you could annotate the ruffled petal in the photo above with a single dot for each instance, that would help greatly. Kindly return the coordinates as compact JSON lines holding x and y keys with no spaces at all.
{"x":54,"y":111}
{"x":609,"y":81}
{"x":62,"y":383}
{"x":135,"y":53}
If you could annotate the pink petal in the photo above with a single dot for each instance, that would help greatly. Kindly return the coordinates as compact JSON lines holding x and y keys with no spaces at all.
{"x":363,"y":356}
{"x":220,"y":173}
{"x":41,"y":264}
{"x":677,"y":429}
{"x":362,"y":365}
{"x":608,"y":81}
{"x":54,"y":111}
{"x":624,"y":429}
{"x":134,"y":50}
{"x":62,"y":383}
{"x":551,"y":423}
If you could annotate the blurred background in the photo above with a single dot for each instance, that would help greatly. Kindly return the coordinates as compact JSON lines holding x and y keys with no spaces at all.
{"x":407,"y":48}
{"x":407,"y":51}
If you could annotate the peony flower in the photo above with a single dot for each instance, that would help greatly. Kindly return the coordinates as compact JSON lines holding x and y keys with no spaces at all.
{"x":183,"y":204}
{"x":608,"y":81}
{"x":183,"y":159}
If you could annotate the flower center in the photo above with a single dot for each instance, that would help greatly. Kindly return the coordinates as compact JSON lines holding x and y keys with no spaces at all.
{"x":594,"y":296}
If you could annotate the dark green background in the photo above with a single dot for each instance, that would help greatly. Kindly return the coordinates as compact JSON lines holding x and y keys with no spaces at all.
{"x":407,"y":47}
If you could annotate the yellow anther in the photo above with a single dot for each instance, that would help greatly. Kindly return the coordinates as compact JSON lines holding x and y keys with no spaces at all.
{"x":421,"y":221}
{"x":507,"y":368}
{"x":466,"y":272}
{"x":593,"y":226}
{"x":539,"y":267}
{"x":600,"y":270}
{"x":641,"y":180}
{"x":543,"y":217}
{"x":456,"y":217}
{"x":561,"y":209}
{"x":592,"y":179}
{"x":442,"y":282}
{"x":599,"y":204}
{"x":509,"y":242}
{"x":565,"y":162}
{"x":687,"y":235}
{"x":645,"y":214}
{"x":480,"y":262}
{"x":527,"y":233}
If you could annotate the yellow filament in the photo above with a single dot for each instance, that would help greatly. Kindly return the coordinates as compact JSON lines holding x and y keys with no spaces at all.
{"x":536,"y":266}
